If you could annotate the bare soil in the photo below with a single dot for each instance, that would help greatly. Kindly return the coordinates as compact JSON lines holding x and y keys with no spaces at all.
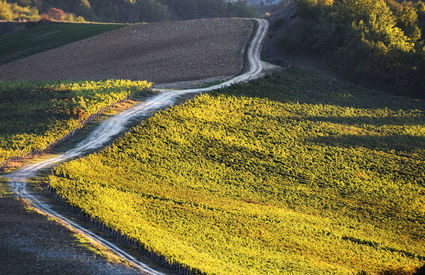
{"x":30,"y":243}
{"x":160,"y":52}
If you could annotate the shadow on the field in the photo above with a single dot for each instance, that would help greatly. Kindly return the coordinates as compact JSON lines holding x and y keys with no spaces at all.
{"x":404,"y":143}
{"x":307,"y":87}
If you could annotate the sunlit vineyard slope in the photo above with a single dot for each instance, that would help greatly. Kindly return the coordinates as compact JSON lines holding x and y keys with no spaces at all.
{"x":292,"y":173}
{"x":34,"y":115}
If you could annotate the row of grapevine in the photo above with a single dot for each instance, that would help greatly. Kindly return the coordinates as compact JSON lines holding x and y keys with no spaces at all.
{"x":36,"y":116}
{"x":118,"y":235}
{"x":277,"y":175}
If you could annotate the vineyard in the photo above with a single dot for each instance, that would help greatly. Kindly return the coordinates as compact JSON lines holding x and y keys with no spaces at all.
{"x":35,"y":115}
{"x":290,"y":173}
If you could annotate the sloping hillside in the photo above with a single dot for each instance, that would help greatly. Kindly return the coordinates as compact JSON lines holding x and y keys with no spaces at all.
{"x":377,"y":44}
{"x":20,"y":39}
{"x":293,"y":173}
{"x":31,"y":243}
{"x":159,"y":52}
{"x":164,"y":50}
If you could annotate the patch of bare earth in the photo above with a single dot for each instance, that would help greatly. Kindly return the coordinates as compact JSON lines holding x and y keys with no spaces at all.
{"x":161,"y":52}
{"x":30,"y":243}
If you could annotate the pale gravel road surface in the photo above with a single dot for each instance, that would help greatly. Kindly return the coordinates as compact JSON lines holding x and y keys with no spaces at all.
{"x":111,"y":127}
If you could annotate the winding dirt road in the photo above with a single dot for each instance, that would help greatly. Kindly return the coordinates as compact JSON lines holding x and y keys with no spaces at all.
{"x":113,"y":126}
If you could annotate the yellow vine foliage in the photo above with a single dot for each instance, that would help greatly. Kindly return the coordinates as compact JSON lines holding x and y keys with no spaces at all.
{"x":294,"y":173}
{"x":34,"y":115}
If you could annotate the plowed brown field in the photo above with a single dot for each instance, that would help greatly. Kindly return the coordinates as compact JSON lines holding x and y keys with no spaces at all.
{"x":160,"y":52}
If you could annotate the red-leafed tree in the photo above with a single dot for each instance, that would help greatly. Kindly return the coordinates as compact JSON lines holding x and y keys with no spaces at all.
{"x":56,"y":14}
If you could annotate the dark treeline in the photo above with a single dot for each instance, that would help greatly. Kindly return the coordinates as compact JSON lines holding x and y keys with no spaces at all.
{"x":141,"y":10}
{"x":376,"y":43}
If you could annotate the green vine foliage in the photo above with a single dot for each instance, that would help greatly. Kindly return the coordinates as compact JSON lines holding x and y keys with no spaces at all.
{"x":34,"y":115}
{"x":293,"y":173}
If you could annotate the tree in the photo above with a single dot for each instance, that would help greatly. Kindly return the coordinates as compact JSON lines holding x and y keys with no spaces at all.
{"x":56,"y":14}
{"x":5,"y":11}
{"x":25,"y":13}
{"x":377,"y":43}
{"x":84,"y":8}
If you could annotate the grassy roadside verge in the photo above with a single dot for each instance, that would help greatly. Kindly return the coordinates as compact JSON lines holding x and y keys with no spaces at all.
{"x":42,"y":37}
{"x":292,"y":173}
{"x":255,"y":26}
{"x":36,"y":115}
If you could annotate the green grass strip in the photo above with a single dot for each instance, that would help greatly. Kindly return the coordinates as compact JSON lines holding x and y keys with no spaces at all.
{"x":42,"y":37}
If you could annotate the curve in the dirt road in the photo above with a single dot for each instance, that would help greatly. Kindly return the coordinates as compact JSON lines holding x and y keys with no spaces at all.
{"x":113,"y":126}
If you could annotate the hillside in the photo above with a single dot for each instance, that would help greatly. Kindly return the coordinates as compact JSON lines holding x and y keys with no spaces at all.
{"x":31,"y":243}
{"x":377,"y":44}
{"x":159,"y":52}
{"x":33,"y":117}
{"x":291,"y":173}
{"x":24,"y":39}
{"x":37,"y":114}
